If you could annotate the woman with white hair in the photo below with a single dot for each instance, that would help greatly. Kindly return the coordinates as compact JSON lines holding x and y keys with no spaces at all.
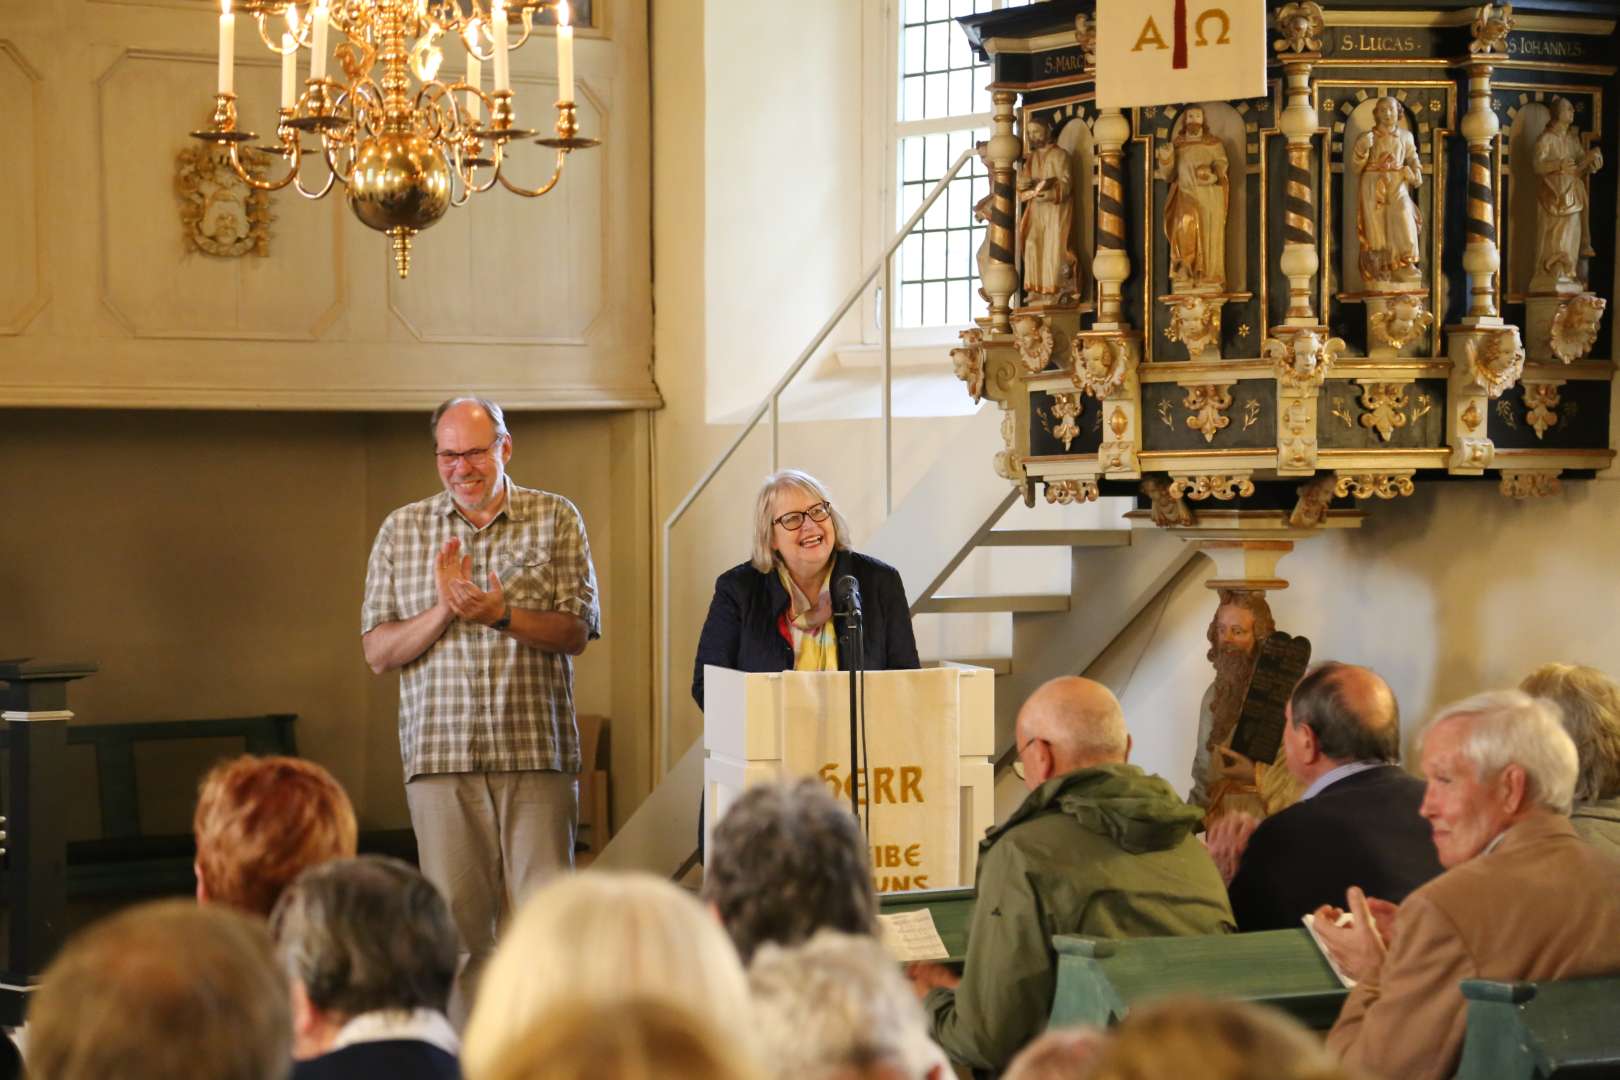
{"x":775,"y":611}
{"x":602,"y":938}
{"x":1589,"y":704}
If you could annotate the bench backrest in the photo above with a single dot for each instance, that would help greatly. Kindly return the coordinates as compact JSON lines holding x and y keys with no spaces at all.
{"x":1099,"y":980}
{"x":1537,"y":1031}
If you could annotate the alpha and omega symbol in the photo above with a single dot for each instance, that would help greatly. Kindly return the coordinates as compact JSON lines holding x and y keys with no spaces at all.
{"x":1212,"y":26}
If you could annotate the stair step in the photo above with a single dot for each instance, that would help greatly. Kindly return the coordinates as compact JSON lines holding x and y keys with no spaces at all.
{"x":1001,"y":665}
{"x":1057,"y":538}
{"x":1016,"y":603}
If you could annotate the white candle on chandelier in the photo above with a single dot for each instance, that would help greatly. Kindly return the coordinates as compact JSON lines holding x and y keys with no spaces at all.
{"x":475,"y":73}
{"x":497,"y":30}
{"x":289,"y":71}
{"x":227,"y":47}
{"x":317,"y":47}
{"x":565,"y":53}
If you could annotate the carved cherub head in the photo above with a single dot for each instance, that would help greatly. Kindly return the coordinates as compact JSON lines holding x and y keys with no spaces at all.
{"x":1300,"y":25}
{"x":1097,"y":358}
{"x":969,"y":367}
{"x":1491,"y":27}
{"x":1401,"y":321}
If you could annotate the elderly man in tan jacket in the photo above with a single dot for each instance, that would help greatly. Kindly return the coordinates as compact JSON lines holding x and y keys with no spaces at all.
{"x":1522,"y":898}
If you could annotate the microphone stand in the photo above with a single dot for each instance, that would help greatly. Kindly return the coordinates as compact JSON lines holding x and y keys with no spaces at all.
{"x":855,"y":640}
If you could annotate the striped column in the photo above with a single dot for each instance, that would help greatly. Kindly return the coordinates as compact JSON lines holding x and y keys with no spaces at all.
{"x":1481,"y":257}
{"x":1112,"y":264}
{"x":1001,"y":276}
{"x":1300,"y":259}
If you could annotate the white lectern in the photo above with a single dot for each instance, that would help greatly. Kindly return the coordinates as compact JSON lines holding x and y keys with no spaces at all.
{"x":928,"y":795}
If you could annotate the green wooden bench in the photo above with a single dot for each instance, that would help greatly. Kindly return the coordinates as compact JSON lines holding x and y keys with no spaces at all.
{"x":953,"y":914}
{"x":1099,"y":980}
{"x":1537,"y":1031}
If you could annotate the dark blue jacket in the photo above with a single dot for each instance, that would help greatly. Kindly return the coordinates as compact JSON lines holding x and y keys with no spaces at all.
{"x":388,"y":1059}
{"x":1363,"y":830}
{"x":742,"y":632}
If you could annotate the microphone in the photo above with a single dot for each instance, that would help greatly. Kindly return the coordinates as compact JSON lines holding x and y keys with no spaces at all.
{"x":847,"y":595}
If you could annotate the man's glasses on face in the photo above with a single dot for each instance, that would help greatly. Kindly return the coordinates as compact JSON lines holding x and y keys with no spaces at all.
{"x":793,"y":520}
{"x":479,"y":456}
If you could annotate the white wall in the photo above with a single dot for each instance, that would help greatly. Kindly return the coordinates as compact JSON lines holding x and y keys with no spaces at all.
{"x":782,"y":186}
{"x":1453,"y":590}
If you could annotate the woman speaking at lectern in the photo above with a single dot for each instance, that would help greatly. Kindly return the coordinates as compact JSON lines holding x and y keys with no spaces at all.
{"x":775,"y":612}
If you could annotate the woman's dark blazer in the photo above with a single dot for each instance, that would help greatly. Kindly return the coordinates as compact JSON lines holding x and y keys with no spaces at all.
{"x":742,"y":629}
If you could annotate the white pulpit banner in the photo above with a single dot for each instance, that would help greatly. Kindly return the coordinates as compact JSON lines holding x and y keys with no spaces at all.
{"x":1162,"y":52}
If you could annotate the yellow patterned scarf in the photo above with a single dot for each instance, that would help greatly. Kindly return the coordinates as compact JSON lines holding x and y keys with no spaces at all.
{"x":815,"y":642}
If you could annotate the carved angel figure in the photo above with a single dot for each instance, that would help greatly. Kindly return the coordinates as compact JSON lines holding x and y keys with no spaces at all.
{"x":1033,"y":339}
{"x":1300,"y":25}
{"x":1575,"y":326}
{"x":1195,"y":322}
{"x":1388,"y":223}
{"x":1099,"y":366}
{"x":1495,"y":360}
{"x":1563,"y":228}
{"x":1304,"y":358}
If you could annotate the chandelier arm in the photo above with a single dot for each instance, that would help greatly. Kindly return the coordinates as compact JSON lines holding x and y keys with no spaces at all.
{"x":254,"y":182}
{"x":556,"y":174}
{"x":331,"y":162}
{"x":331,"y":177}
{"x":300,"y":36}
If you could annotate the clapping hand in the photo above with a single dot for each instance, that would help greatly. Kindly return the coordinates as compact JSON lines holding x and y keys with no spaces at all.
{"x":1359,"y":948}
{"x":473,"y":604}
{"x":450,"y":565}
{"x":1227,"y":839}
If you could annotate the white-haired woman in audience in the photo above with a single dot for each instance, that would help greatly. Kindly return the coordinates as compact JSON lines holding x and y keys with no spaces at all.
{"x":603,"y":938}
{"x":774,"y":612}
{"x":1589,"y":702}
{"x":836,"y":1006}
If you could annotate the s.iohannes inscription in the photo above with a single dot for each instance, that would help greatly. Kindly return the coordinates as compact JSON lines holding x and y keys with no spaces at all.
{"x":1542,"y":47}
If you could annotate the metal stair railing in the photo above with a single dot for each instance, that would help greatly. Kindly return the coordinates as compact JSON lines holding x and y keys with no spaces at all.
{"x":883,"y":265}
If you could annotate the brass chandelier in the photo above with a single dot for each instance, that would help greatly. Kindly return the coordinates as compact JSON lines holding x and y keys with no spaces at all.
{"x":404,"y":158}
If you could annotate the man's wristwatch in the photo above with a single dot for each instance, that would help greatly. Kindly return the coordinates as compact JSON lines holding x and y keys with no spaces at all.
{"x":505,"y":620}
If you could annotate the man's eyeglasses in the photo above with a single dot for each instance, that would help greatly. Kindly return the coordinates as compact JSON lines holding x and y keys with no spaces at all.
{"x":793,"y":520}
{"x":480,"y":456}
{"x":1018,"y":765}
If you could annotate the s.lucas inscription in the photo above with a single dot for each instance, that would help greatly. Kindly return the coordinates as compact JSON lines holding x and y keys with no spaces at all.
{"x":1378,"y":41}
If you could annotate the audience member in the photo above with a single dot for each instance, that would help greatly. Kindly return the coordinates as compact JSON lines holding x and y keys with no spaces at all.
{"x":602,"y":937}
{"x":837,"y":1005}
{"x":635,"y":1039}
{"x":1522,"y":898}
{"x":260,"y":821}
{"x":1589,"y":702}
{"x":1058,"y":1054}
{"x":1357,"y":822}
{"x":1099,"y":847}
{"x":788,"y":860}
{"x":159,"y":991}
{"x":371,"y":953}
{"x":1212,"y":1040}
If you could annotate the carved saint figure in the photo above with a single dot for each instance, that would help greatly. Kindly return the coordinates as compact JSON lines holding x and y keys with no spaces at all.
{"x":981,"y":212}
{"x":1224,"y":781}
{"x":1195,"y":213}
{"x":1563,"y":230}
{"x":1388,"y":223}
{"x":1047,"y":218}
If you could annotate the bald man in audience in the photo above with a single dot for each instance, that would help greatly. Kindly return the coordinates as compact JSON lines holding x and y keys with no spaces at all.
{"x":1357,"y":822}
{"x":1099,"y":847}
{"x":1522,"y":897}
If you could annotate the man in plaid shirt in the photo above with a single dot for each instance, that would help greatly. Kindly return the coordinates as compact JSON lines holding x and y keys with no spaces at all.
{"x":480,"y":596}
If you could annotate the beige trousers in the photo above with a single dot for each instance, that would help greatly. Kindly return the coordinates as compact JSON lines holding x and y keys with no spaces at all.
{"x":486,"y":841}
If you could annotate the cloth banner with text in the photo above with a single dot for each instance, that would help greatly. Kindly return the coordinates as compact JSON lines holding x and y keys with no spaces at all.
{"x":1162,"y":52}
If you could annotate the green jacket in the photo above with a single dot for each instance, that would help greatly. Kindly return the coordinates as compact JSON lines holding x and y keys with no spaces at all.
{"x":1107,"y":851}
